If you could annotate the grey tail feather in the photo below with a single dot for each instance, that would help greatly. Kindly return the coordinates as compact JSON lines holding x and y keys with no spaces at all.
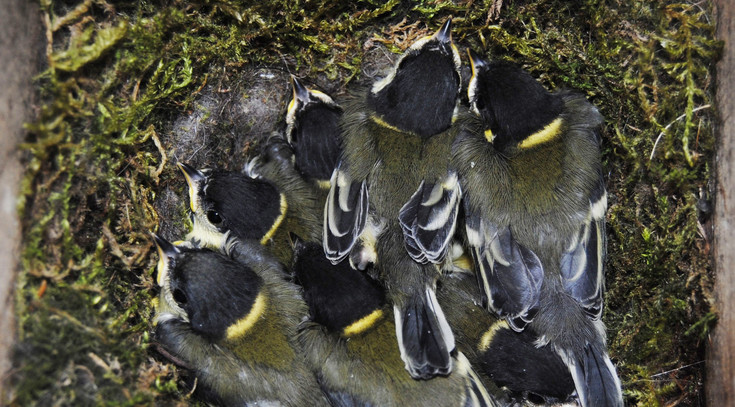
{"x":424,"y":338}
{"x":476,"y":394}
{"x":595,"y":378}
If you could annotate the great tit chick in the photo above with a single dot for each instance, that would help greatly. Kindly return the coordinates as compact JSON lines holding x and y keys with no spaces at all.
{"x":232,"y":319}
{"x":529,"y":374}
{"x":353,"y":337}
{"x":312,"y":130}
{"x":221,"y":201}
{"x":535,"y":205}
{"x":393,"y":199}
{"x":266,"y":207}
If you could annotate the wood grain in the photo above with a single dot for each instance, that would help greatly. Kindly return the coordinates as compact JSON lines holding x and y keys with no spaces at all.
{"x":720,"y":384}
{"x":21,"y":45}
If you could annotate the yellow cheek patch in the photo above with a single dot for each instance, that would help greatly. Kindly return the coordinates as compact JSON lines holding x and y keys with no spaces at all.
{"x":269,"y":234}
{"x":548,"y":133}
{"x":363,"y":324}
{"x":488,"y":336}
{"x":242,"y":326}
{"x":489,"y":136}
{"x":206,"y":234}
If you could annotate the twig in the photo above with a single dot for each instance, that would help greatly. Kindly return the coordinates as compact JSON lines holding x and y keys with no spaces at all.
{"x":73,"y":15}
{"x":161,"y":150}
{"x":678,"y":368}
{"x":114,"y":246}
{"x":653,"y":150}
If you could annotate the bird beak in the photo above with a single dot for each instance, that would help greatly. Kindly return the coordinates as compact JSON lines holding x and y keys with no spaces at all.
{"x":300,"y":91}
{"x":193,"y":178}
{"x":445,"y":32}
{"x":475,"y":61}
{"x":165,"y":251}
{"x":300,"y":94}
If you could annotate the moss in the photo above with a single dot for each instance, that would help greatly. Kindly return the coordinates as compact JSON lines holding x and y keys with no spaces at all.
{"x":99,"y":173}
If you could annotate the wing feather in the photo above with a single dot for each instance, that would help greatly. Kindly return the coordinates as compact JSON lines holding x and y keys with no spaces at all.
{"x":345,"y":215}
{"x":582,"y":265}
{"x":429,"y":218}
{"x":510,"y":273}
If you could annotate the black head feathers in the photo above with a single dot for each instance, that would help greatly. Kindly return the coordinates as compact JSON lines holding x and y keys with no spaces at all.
{"x":337,"y":295}
{"x":512,"y":104}
{"x":420,"y":94}
{"x":225,"y":200}
{"x":215,"y":291}
{"x":312,"y":129}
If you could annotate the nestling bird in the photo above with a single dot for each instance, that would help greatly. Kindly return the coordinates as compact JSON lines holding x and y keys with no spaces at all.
{"x":353,"y":337}
{"x":266,"y":206}
{"x":232,"y":318}
{"x":393,"y":200}
{"x":535,"y":203}
{"x":312,"y":130}
{"x":510,"y":360}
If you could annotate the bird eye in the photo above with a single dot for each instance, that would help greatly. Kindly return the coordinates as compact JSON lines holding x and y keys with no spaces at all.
{"x":214,"y":217}
{"x":180,"y":297}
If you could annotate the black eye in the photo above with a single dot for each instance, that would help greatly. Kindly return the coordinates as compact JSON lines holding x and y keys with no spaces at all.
{"x":214,"y":217}
{"x":180,"y":297}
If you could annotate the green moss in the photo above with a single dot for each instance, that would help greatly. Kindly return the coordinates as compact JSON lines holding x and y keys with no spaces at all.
{"x":119,"y":71}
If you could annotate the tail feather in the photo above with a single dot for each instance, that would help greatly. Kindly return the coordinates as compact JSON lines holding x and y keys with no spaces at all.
{"x":595,"y":378}
{"x":476,"y":394}
{"x":424,"y":337}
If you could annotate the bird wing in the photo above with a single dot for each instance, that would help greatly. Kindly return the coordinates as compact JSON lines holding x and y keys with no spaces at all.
{"x":510,"y":274}
{"x":582,"y":265}
{"x":594,"y":376}
{"x":476,"y":395}
{"x":429,"y":217}
{"x":345,"y":214}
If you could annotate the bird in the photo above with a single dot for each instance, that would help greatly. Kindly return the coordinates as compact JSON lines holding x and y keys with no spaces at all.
{"x":266,"y":202}
{"x":534,"y":202}
{"x":510,"y":360}
{"x":393,"y":200}
{"x":353,"y":335}
{"x":312,"y":131}
{"x":231,"y":317}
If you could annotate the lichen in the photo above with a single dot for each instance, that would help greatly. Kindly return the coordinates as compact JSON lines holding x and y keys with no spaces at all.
{"x":119,"y":74}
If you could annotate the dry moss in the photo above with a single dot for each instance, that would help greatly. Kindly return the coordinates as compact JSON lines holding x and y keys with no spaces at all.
{"x":121,"y":74}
